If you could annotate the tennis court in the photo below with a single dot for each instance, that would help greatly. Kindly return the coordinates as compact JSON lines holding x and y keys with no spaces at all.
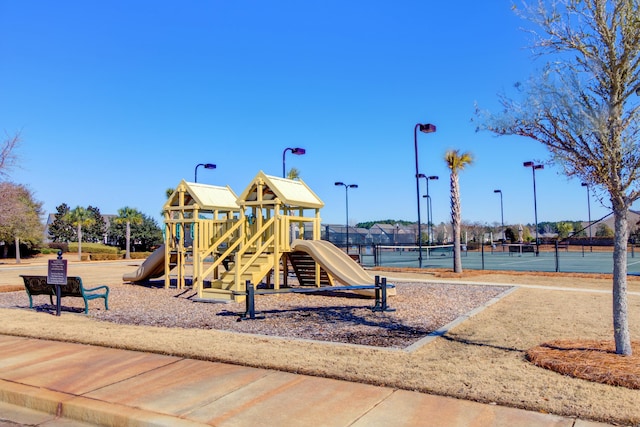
{"x":510,"y":257}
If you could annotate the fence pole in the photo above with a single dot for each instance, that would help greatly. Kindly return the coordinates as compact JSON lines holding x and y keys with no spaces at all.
{"x":557,"y":260}
{"x":482,"y":252}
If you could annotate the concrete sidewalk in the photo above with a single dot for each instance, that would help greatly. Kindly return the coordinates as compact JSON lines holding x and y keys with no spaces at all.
{"x":77,"y":384}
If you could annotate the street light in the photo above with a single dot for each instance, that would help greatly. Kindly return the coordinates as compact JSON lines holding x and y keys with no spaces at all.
{"x":297,"y":151}
{"x":429,"y":207}
{"x":428,"y":128}
{"x":533,"y":167}
{"x":206,"y":166}
{"x":586,"y":184}
{"x":346,"y":192}
{"x":501,"y":216}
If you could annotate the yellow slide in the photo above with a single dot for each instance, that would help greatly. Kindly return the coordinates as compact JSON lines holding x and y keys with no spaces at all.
{"x":151,"y":268}
{"x":337,"y":264}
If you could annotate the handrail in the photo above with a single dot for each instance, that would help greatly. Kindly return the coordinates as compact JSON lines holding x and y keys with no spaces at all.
{"x":225,"y":254}
{"x":256,"y":255}
{"x":222,"y":238}
{"x":221,"y":258}
{"x":258,"y":234}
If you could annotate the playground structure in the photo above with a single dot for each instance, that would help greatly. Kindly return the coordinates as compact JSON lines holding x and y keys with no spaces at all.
{"x":221,"y":240}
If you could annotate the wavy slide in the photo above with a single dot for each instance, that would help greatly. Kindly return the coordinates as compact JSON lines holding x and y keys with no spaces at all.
{"x":151,"y":268}
{"x":337,"y":264}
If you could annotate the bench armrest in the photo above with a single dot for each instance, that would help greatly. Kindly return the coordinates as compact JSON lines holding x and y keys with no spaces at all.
{"x":97,"y":288}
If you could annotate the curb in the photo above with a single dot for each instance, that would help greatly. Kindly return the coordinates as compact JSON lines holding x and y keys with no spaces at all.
{"x":78,"y":408}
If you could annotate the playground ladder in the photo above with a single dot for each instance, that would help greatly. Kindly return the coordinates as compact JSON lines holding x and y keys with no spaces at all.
{"x":305,"y":268}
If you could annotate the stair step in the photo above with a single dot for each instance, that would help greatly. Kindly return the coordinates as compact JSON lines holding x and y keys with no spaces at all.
{"x":305,"y":268}
{"x":217,"y":294}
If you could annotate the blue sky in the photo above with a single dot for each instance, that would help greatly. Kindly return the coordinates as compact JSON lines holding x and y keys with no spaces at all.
{"x":117,"y":101}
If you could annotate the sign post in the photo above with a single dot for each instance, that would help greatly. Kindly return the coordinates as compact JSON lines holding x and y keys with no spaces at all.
{"x":57,"y":275}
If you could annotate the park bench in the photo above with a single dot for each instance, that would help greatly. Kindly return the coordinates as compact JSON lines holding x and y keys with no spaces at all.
{"x":37,"y":285}
{"x":250,"y":292}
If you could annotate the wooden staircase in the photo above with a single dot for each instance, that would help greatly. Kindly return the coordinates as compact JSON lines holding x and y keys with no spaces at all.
{"x":305,"y":268}
{"x":222,"y":289}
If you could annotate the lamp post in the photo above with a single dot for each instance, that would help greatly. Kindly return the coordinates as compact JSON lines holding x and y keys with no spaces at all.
{"x":501,"y":215}
{"x":586,"y":184}
{"x":297,"y":151}
{"x":427,"y":128}
{"x":533,"y":167}
{"x":346,"y":193}
{"x":206,"y":166}
{"x":429,"y":210}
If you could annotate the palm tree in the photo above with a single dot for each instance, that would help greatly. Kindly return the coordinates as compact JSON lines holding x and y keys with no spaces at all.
{"x":456,"y":162}
{"x":80,"y":217}
{"x":128,"y":216}
{"x":293,"y":174}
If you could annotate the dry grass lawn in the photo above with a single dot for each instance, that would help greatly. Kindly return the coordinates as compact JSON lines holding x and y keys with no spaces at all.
{"x":484,"y":358}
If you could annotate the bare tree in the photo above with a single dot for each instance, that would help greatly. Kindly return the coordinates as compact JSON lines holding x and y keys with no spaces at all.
{"x":20,"y":216}
{"x":583,"y":108}
{"x":8,"y":156}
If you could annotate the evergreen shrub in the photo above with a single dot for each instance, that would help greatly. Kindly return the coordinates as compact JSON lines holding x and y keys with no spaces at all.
{"x":94,"y":248}
{"x":139,"y":255}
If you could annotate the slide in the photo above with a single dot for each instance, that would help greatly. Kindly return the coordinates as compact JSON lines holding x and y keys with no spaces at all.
{"x":337,"y":264}
{"x":151,"y":268}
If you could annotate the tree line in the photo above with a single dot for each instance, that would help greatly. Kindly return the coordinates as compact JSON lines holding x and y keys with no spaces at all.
{"x":130,"y":229}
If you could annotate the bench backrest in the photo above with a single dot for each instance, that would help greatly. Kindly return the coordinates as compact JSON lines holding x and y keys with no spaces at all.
{"x":37,"y":285}
{"x":73,"y":288}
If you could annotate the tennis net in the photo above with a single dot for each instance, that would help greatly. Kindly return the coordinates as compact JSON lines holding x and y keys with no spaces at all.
{"x":388,"y":254}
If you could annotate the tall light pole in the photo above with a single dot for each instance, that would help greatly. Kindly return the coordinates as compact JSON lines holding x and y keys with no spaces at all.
{"x":501,"y":215}
{"x":297,"y":151}
{"x":206,"y":166}
{"x":428,"y":128}
{"x":533,"y":167}
{"x":346,"y":193}
{"x":429,"y":211}
{"x":586,"y":184}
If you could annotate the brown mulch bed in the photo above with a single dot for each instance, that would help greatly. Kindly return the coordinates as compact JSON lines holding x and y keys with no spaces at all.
{"x":418,"y":309}
{"x":590,"y":360}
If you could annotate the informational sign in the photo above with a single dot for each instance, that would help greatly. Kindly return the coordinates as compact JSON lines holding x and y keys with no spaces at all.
{"x":57,"y":272}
